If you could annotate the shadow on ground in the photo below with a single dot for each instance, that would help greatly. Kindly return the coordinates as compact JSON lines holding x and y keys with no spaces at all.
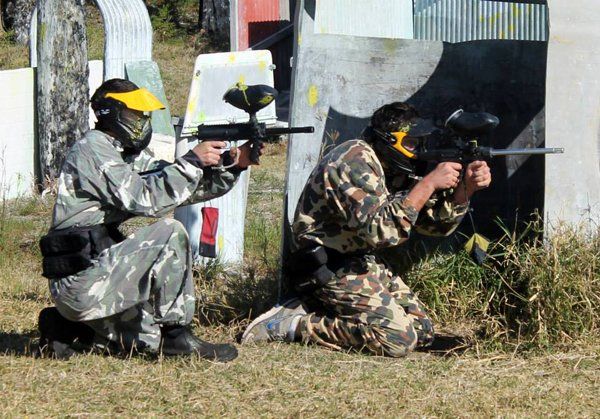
{"x":17,"y":344}
{"x":447,"y":345}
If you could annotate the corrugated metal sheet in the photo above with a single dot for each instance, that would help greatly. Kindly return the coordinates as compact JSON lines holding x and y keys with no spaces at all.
{"x":128,"y":33}
{"x":255,"y":21}
{"x":381,"y":18}
{"x":468,"y":20}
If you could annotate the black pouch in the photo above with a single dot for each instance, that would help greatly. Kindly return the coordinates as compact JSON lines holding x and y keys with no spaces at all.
{"x":67,"y":252}
{"x":308,"y":270}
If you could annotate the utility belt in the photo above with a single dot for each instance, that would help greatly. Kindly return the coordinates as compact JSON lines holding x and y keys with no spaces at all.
{"x":72,"y":250}
{"x":312,"y":268}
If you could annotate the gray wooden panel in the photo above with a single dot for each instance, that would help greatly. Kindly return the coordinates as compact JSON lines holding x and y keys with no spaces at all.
{"x":147,"y":74}
{"x":573,"y":112}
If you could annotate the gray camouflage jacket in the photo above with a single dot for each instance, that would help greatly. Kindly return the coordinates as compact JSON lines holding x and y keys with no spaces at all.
{"x":97,"y":185}
{"x":346,"y":206}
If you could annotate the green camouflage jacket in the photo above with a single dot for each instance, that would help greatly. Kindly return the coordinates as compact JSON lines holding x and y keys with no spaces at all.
{"x":346,"y":206}
{"x":97,"y":185}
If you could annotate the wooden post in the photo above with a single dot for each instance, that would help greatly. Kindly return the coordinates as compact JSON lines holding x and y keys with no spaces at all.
{"x":62,"y":81}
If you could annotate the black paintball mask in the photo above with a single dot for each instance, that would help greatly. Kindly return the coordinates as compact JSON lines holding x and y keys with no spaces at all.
{"x":127,"y":116}
{"x":398,"y":150}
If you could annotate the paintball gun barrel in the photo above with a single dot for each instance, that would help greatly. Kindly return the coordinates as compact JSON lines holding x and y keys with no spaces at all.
{"x":458,"y":141}
{"x":251,"y":99}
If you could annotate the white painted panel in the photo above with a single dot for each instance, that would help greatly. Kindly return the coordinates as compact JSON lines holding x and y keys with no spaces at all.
{"x":573,"y":112}
{"x":17,"y":126}
{"x":373,"y":18}
{"x":213,"y":75}
{"x":94,"y":81}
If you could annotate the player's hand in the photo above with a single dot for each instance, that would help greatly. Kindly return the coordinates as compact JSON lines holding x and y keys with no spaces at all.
{"x":209,"y":152}
{"x":244,"y":155}
{"x":446,"y":175}
{"x":477,"y":176}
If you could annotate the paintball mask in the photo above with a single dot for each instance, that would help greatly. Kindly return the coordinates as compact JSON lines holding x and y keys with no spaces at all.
{"x":127,"y":115}
{"x":399,"y":149}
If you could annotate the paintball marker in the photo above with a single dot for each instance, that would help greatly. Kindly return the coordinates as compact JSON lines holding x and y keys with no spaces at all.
{"x":250,"y":99}
{"x":458,"y":141}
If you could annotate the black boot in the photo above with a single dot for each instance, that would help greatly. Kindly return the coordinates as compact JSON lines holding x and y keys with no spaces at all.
{"x":179,"y":340}
{"x":61,"y":338}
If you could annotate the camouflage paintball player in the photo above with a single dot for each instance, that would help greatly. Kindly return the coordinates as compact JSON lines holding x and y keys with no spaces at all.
{"x":363,"y":196}
{"x":136,"y":292}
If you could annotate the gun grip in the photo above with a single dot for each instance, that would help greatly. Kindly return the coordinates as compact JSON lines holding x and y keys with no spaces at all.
{"x":255,"y":152}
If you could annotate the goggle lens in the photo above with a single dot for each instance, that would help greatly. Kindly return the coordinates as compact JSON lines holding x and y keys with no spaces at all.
{"x":410,"y":143}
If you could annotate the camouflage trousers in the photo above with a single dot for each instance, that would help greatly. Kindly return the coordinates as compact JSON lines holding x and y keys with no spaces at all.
{"x":133,"y":287}
{"x":366,"y":307}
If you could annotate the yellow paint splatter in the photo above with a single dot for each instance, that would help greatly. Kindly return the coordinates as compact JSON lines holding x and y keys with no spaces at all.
{"x":299,"y":39}
{"x":313,"y":95}
{"x":191,"y":108}
{"x":242,"y":79}
{"x":231,"y":58}
{"x":511,"y":29}
{"x":221,"y":242}
{"x":390,"y":45}
{"x":201,"y":116}
{"x":501,"y":35}
{"x":262,"y":65}
{"x":516,"y":11}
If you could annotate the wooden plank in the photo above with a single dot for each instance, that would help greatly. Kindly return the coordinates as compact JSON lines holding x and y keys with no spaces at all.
{"x":573,"y":113}
{"x":17,"y":145}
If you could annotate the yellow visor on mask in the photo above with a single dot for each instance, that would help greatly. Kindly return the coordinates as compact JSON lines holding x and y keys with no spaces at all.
{"x":139,"y":100}
{"x":404,"y":144}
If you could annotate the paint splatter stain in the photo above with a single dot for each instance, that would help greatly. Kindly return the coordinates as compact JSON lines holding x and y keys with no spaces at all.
{"x":313,"y":95}
{"x":390,"y":45}
{"x":262,"y":65}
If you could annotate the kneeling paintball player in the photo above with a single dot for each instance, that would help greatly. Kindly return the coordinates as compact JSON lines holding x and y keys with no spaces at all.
{"x":362,"y":197}
{"x":132,"y":293}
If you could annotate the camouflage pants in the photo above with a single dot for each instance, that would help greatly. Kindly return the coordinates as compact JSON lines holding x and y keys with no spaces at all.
{"x":367,"y":307}
{"x":133,"y":287}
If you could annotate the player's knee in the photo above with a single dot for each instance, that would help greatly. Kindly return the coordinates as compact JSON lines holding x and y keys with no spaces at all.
{"x":177,"y":231}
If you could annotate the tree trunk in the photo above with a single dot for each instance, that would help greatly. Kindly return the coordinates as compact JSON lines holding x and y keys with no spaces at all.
{"x":2,"y":15}
{"x":214,"y":18}
{"x":62,"y":81}
{"x":19,"y":13}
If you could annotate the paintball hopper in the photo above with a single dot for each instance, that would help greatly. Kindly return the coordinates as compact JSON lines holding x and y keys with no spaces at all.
{"x":471,"y":124}
{"x":250,"y":98}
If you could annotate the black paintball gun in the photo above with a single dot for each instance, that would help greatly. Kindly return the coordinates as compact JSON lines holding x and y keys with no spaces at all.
{"x":250,"y":99}
{"x":458,"y":141}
